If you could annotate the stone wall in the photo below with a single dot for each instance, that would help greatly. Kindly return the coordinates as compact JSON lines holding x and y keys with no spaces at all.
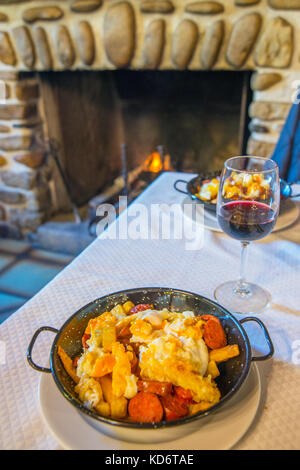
{"x":260,"y":35}
{"x":25,"y":168}
{"x":143,"y":34}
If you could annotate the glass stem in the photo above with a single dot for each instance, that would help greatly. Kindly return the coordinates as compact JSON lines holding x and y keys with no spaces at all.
{"x":242,"y":287}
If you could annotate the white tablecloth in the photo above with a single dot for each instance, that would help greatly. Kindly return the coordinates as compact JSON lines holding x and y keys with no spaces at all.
{"x":111,"y":265}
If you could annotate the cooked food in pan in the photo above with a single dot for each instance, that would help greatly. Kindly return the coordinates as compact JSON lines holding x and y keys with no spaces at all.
{"x":145,"y":365}
{"x":246,"y":186}
{"x":208,"y":190}
{"x":237,"y":186}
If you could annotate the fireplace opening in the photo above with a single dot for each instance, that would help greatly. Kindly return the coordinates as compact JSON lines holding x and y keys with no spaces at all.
{"x":88,"y":136}
{"x":198,"y":116}
{"x":200,"y":119}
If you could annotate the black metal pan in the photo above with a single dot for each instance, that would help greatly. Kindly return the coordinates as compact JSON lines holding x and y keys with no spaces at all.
{"x":233,"y":373}
{"x":191,"y":188}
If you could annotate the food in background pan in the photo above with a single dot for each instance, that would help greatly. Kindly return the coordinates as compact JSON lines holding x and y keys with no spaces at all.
{"x":208,"y":190}
{"x":146,"y":365}
{"x":237,"y":186}
{"x":246,"y":186}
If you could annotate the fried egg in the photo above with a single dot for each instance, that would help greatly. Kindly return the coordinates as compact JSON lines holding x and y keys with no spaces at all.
{"x":180,"y":356}
{"x":86,"y":364}
{"x":171,"y":349}
{"x":147,"y":325}
{"x":193,"y":353}
{"x":89,"y":391}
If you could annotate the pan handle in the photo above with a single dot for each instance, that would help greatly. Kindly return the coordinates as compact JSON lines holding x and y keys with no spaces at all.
{"x":180,"y":190}
{"x":30,"y":347}
{"x":267,"y":337}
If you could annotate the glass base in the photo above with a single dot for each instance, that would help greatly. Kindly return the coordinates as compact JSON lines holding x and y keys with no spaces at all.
{"x":253,"y":300}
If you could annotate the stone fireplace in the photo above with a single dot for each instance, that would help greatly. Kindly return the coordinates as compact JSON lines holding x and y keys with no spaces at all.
{"x":43,"y":43}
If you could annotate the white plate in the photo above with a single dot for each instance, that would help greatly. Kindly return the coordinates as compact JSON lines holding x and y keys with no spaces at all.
{"x":289,"y":213}
{"x":222,"y":431}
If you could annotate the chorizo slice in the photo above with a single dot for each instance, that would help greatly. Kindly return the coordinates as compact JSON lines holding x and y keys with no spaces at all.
{"x":208,"y":317}
{"x":214,"y":334}
{"x":140,"y":308}
{"x":183,"y":394}
{"x":171,"y":415}
{"x":153,"y":386}
{"x":145,"y":407}
{"x":174,"y":407}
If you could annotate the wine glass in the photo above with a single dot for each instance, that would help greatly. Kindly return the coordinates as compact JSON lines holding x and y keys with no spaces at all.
{"x":247,"y":209}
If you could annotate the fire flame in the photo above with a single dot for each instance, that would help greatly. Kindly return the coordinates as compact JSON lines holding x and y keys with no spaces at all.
{"x":154,"y":163}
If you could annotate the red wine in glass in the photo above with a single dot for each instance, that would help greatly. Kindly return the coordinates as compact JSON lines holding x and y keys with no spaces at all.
{"x":247,"y":209}
{"x":246,"y":220}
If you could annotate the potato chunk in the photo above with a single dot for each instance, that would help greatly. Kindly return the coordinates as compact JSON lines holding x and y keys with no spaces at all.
{"x":106,"y":384}
{"x":121,"y":369}
{"x":223,"y":354}
{"x":68,"y":364}
{"x":118,"y":405}
{"x":109,"y":337}
{"x":118,"y":311}
{"x":196,"y":407}
{"x":212,"y":369}
{"x":103,"y":408}
{"x":128,"y":306}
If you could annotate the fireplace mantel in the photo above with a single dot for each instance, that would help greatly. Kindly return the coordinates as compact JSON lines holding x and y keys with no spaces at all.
{"x":143,"y":34}
{"x":59,"y":35}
